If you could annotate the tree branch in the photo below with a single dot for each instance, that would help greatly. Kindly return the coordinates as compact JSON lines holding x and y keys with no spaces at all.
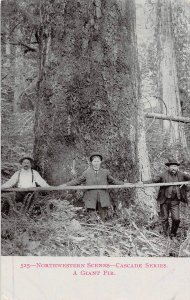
{"x":22,"y":44}
{"x":5,"y":76}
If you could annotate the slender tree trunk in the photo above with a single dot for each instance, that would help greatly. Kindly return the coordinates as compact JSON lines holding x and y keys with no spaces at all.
{"x":181,"y":24}
{"x":18,"y":70}
{"x":7,"y":45}
{"x":42,"y":87}
{"x":146,"y":198}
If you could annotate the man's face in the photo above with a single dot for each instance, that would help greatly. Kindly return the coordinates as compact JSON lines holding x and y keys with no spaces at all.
{"x":96,"y":162}
{"x":173,"y":169}
{"x":26,"y":164}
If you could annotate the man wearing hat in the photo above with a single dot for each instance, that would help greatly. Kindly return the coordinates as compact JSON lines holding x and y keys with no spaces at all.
{"x":95,"y":175}
{"x":169,"y":197}
{"x":26,"y":177}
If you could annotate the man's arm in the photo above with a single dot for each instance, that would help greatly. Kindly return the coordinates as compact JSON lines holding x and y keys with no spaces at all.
{"x":39,"y":180}
{"x":186,"y":176}
{"x":11,"y":182}
{"x":81,"y":179}
{"x":112,"y":180}
{"x":155,"y":179}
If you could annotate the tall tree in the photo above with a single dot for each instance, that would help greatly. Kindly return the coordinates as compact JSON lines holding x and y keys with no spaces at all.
{"x":147,"y":90}
{"x":181,"y":28}
{"x":19,"y":72}
{"x":88,"y":89}
{"x":168,"y":79}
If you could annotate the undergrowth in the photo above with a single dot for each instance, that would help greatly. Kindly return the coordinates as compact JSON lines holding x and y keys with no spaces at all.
{"x":58,"y":228}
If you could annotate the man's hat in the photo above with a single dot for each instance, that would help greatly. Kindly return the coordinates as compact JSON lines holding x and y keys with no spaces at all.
{"x":172,"y":162}
{"x":95,"y":154}
{"x":26,"y":157}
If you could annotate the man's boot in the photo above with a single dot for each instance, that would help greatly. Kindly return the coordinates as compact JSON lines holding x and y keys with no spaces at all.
{"x":103,"y":213}
{"x":175,"y":225}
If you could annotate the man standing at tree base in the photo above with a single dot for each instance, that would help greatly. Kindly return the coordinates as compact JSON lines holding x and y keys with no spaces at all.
{"x":96,"y":199}
{"x":169,"y":197}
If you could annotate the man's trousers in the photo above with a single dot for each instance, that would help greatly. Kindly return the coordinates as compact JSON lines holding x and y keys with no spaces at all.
{"x":170,"y":206}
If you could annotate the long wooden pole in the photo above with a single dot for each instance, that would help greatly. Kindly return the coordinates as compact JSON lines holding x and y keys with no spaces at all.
{"x":94,"y":187}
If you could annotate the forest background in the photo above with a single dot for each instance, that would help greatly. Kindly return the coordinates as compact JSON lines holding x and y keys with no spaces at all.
{"x":79,"y":76}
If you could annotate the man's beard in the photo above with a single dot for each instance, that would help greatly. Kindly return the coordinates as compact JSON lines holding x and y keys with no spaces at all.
{"x":173,"y":171}
{"x":26,"y":167}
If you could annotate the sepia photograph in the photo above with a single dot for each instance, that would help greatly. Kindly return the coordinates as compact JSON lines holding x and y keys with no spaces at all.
{"x":95,"y":128}
{"x":95,"y":149}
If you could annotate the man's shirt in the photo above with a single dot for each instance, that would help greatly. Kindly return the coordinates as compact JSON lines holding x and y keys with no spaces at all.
{"x":173,"y":192}
{"x":24,"y":180}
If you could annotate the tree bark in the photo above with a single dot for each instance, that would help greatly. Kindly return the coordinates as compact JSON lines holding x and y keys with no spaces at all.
{"x":169,"y":90}
{"x":88,"y":95}
{"x":145,"y":197}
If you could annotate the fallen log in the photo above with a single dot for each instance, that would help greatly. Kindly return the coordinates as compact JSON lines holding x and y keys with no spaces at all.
{"x":168,"y":117}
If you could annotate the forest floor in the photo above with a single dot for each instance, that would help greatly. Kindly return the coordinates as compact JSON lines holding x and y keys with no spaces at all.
{"x":56,"y":227}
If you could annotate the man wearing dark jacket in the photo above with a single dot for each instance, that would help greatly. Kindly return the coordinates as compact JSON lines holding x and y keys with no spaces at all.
{"x":169,"y":197}
{"x":95,"y":175}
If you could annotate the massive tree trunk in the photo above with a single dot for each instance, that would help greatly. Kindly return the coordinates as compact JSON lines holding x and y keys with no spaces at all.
{"x":88,"y":97}
{"x":168,"y":84}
